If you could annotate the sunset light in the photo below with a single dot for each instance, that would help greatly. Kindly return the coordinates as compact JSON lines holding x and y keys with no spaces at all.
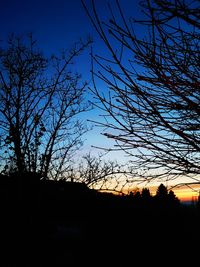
{"x":99,"y":133}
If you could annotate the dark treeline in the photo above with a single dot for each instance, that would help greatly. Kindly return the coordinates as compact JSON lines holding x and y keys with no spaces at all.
{"x":57,"y":223}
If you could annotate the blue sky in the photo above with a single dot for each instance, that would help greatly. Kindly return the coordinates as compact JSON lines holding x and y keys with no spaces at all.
{"x":56,"y":25}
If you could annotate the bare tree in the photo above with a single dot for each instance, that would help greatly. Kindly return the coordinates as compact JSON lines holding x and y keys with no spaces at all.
{"x":100,"y":174}
{"x":40,"y":100}
{"x":152,"y":73}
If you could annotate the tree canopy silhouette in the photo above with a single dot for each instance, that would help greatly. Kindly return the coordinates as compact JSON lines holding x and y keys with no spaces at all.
{"x":151,"y":70}
{"x":40,"y":99}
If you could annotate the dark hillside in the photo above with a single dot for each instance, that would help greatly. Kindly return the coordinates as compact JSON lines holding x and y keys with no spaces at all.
{"x":50,"y":223}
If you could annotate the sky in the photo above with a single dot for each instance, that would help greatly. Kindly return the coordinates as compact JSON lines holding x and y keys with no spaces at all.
{"x":55,"y":24}
{"x":58,"y":24}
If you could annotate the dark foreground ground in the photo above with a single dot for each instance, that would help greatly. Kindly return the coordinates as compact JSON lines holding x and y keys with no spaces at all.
{"x":66,"y":224}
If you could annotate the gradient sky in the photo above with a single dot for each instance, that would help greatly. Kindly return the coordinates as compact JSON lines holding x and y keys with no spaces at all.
{"x":56,"y":25}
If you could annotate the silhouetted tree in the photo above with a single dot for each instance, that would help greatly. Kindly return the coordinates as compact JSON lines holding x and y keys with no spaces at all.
{"x":146,"y":199}
{"x":40,"y":98}
{"x":96,"y":172}
{"x":135,"y":194}
{"x":146,"y":195}
{"x":172,"y":198}
{"x":152,"y":72}
{"x":165,"y":198}
{"x":162,"y":192}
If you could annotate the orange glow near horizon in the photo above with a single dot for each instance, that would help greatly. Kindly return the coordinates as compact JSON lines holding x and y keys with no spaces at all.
{"x":184,"y":193}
